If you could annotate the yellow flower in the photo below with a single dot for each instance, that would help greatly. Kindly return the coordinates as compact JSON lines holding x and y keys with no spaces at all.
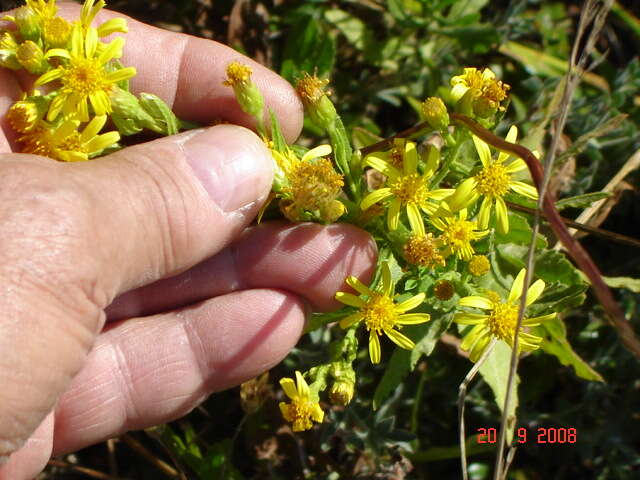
{"x":406,"y":187}
{"x":85,"y":75}
{"x":380,"y":313}
{"x":479,"y":265}
{"x":23,"y":116}
{"x":423,"y":250}
{"x":44,"y":8}
{"x":310,"y":186}
{"x":500,"y":321}
{"x":56,"y":31}
{"x":89,"y":11}
{"x":458,"y":233}
{"x":304,"y":408}
{"x":237,"y":73}
{"x":311,"y":88}
{"x":65,"y":143}
{"x":492,"y":182}
{"x":482,"y":88}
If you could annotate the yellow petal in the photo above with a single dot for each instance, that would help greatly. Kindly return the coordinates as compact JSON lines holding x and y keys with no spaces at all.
{"x":413,"y":318}
{"x":350,"y":299}
{"x":103,"y":141}
{"x":535,"y":290}
{"x":112,"y":50}
{"x":374,"y":347}
{"x":483,"y":150}
{"x":415,"y":219}
{"x":121,"y":74}
{"x":476,"y":301}
{"x":289,"y":388}
{"x":49,"y":76}
{"x":375,"y":197}
{"x":346,"y":322}
{"x":112,"y":25}
{"x":286,"y":414}
{"x":516,"y":288}
{"x":511,"y":137}
{"x":91,"y":42}
{"x":316,"y":413}
{"x":57,"y":52}
{"x":387,"y":285}
{"x":358,"y":286}
{"x":303,"y":388}
{"x":469,"y":318}
{"x":320,"y":151}
{"x":502,"y":216}
{"x":515,"y":166}
{"x":410,"y":159}
{"x":399,"y":339}
{"x":484,"y":215}
{"x":530,"y":322}
{"x":432,"y":161}
{"x":93,"y":128}
{"x":410,"y":304}
{"x":479,"y":348}
{"x":525,"y":189}
{"x":472,"y":337}
{"x":56,"y":106}
{"x":382,"y":166}
{"x":462,"y":195}
{"x":393,"y":215}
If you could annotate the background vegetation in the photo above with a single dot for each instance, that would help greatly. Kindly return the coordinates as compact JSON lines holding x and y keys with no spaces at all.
{"x":383,"y":57}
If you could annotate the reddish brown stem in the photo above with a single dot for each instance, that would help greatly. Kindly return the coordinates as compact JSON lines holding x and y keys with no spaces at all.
{"x":579,"y":254}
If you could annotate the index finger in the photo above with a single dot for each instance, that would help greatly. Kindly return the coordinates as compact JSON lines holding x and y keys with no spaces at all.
{"x":187,"y":72}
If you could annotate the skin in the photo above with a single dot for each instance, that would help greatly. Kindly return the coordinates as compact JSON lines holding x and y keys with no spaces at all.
{"x":128,"y":291}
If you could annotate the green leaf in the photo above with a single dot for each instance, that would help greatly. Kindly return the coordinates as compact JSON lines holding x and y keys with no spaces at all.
{"x":581,"y":143}
{"x":308,"y":49}
{"x":539,"y":63}
{"x":160,"y":112}
{"x":404,"y":361}
{"x":465,"y":8}
{"x":398,"y":368}
{"x":351,"y":27}
{"x":632,"y":284}
{"x":581,"y":201}
{"x":519,"y":232}
{"x":495,"y":371}
{"x":279,"y":143}
{"x":558,"y":346}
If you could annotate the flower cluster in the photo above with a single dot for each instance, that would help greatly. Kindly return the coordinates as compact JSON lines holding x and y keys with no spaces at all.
{"x":80,"y":83}
{"x":431,"y":207}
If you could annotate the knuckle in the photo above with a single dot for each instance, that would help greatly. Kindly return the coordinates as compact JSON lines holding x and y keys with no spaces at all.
{"x":45,"y":227}
{"x":163,"y":210}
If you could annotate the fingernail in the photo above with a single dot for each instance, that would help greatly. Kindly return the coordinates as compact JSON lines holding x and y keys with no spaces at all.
{"x":233,"y":165}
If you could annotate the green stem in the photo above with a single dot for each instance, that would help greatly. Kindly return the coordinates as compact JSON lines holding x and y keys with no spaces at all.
{"x":446,"y":166}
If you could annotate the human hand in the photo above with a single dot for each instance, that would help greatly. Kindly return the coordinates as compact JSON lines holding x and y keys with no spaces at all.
{"x":142,"y":240}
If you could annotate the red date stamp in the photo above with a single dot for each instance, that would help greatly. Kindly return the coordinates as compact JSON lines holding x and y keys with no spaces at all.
{"x":542,"y":435}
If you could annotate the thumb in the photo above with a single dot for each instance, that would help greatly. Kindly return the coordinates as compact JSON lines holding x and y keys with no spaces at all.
{"x":73,"y":236}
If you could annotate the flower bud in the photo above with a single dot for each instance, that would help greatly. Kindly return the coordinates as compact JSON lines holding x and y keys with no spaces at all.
{"x":247,"y":94}
{"x":8,"y":51}
{"x":56,"y":32}
{"x":435,"y":113}
{"x":341,"y":392}
{"x":23,"y":116}
{"x":443,"y":290}
{"x":479,"y":265}
{"x":321,"y":110}
{"x":254,"y":393}
{"x":29,"y":23}
{"x":31,"y":57}
{"x":128,"y":115}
